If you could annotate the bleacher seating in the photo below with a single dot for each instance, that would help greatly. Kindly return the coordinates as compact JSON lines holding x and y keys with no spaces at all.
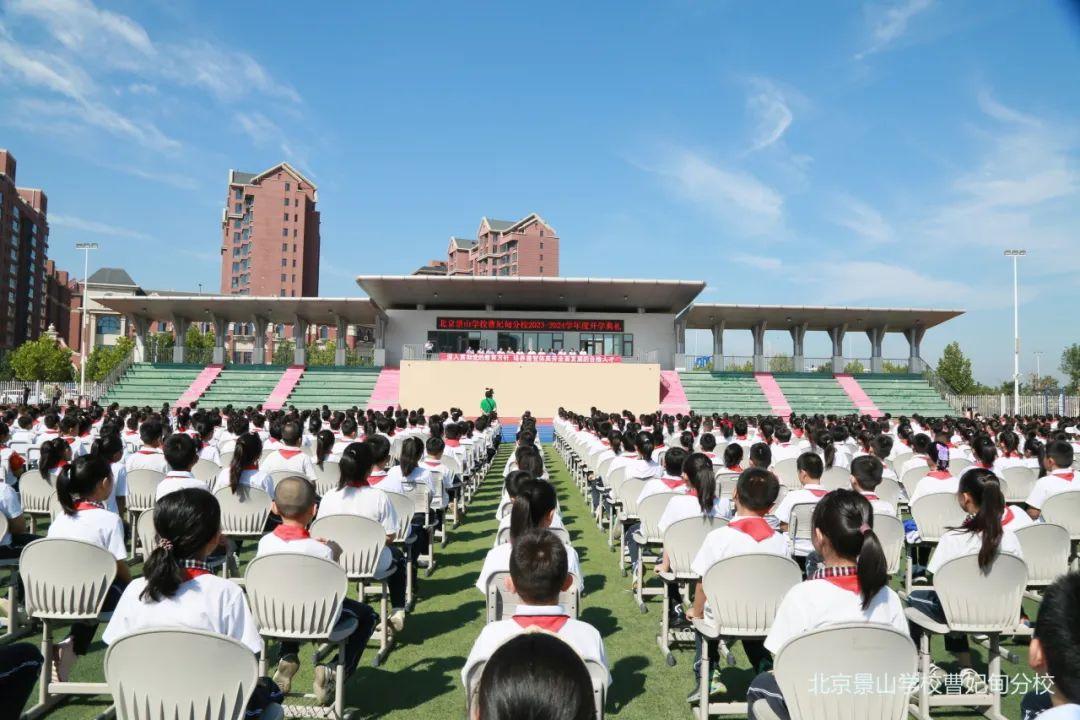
{"x":242,"y":385}
{"x":904,"y":395}
{"x":152,"y":384}
{"x":810,"y":393}
{"x":334,"y":386}
{"x":720,"y":392}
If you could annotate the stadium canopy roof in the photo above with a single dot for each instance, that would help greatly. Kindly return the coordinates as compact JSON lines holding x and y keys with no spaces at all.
{"x":466,"y":292}
{"x":242,"y":308}
{"x":781,"y":317}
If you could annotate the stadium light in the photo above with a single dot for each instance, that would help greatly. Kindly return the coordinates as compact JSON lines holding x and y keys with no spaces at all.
{"x":86,"y":247}
{"x":1016,"y":255}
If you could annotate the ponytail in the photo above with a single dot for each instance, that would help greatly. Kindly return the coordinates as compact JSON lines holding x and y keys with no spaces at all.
{"x":78,"y":480}
{"x":531,"y":505}
{"x":185,"y":521}
{"x":699,"y":469}
{"x":985,"y":491}
{"x":324,"y":443}
{"x":645,"y":445}
{"x":824,"y":441}
{"x":871,"y":566}
{"x":355,"y":464}
{"x":846,"y":519}
{"x":412,"y":449}
{"x":246,"y":452}
{"x":106,"y":446}
{"x":52,"y":453}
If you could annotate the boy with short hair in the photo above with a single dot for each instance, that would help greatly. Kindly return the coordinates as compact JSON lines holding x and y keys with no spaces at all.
{"x":289,"y":456}
{"x":149,"y":456}
{"x":760,"y":456}
{"x":1055,"y":648}
{"x":1060,"y":477}
{"x":294,"y":502}
{"x":866,"y":475}
{"x":811,"y":468}
{"x":181,"y":453}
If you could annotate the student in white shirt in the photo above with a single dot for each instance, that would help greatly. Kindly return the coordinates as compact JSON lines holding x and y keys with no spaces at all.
{"x":295,"y":504}
{"x":1060,"y":477}
{"x":982,"y":534}
{"x":733,"y":457}
{"x":442,"y":478}
{"x":538,"y":573}
{"x":747,"y":532}
{"x":1053,"y":646}
{"x":177,"y":589}
{"x":881,"y":447}
{"x":354,"y":496}
{"x":149,"y":456}
{"x":939,"y":479}
{"x":69,"y":429}
{"x":672,"y":481}
{"x":12,"y":464}
{"x":405,"y":478}
{"x":181,"y":453}
{"x":866,"y":474}
{"x":16,"y":537}
{"x":289,"y":456}
{"x":23,"y":430}
{"x":110,"y":447}
{"x":82,"y":488}
{"x":852,"y":585}
{"x":1010,"y":452}
{"x":810,"y":468}
{"x":209,"y":451}
{"x":244,"y":468}
{"x":324,"y":449}
{"x":784,"y":449}
{"x":644,"y":466}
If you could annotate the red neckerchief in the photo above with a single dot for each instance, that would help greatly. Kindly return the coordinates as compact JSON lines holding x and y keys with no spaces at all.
{"x":870,"y":496}
{"x":1066,"y":475}
{"x":755,"y":527}
{"x":70,"y":440}
{"x":453,"y":443}
{"x":817,"y":492}
{"x":734,"y":468}
{"x":89,"y":505}
{"x":250,"y":467}
{"x":153,"y":451}
{"x":376,"y":477}
{"x":797,"y":433}
{"x":672,"y":483}
{"x":710,"y":455}
{"x":356,"y":484}
{"x":291,"y":532}
{"x":1007,"y":517}
{"x":551,"y":623}
{"x":845,"y":582}
{"x":740,"y":437}
{"x":289,"y":454}
{"x":192,"y":572}
{"x":939,"y":475}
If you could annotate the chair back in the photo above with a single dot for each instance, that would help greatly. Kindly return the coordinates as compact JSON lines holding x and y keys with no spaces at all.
{"x":1019,"y":482}
{"x":849,"y":650}
{"x":957,"y":465}
{"x":605,"y":464}
{"x":1064,"y":509}
{"x":911,"y":478}
{"x":146,"y":532}
{"x":420,"y":494}
{"x":901,"y":458}
{"x":1046,"y":552}
{"x":307,"y":606}
{"x":361,"y":540}
{"x":726,"y":482}
{"x":890,"y":532}
{"x":503,"y":535}
{"x":243,"y":513}
{"x":978,"y":602}
{"x":452,"y":463}
{"x":801,"y":525}
{"x":502,"y":604}
{"x":935,"y":514}
{"x":3,"y":525}
{"x":744,"y":591}
{"x":65,"y":579}
{"x":34,"y":492}
{"x":629,"y":493}
{"x":788,"y":473}
{"x":889,"y":491}
{"x":650,"y":510}
{"x":684,"y":538}
{"x":180,"y":682}
{"x":54,"y":507}
{"x":836,"y":478}
{"x":142,"y":489}
{"x":404,"y":508}
{"x":326,"y":477}
{"x":206,"y":471}
{"x":226,"y":458}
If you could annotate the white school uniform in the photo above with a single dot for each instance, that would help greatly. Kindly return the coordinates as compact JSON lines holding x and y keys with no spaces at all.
{"x":94,"y":525}
{"x":643,"y":469}
{"x":1002,"y":463}
{"x":280,"y":542}
{"x":147,"y":458}
{"x":10,"y":507}
{"x":1052,"y":483}
{"x":821,"y":603}
{"x":882,"y":507}
{"x":1071,"y":711}
{"x":367,"y":502}
{"x":435,"y":468}
{"x":380,"y":478}
{"x":250,"y":476}
{"x":18,"y":435}
{"x":735,"y":538}
{"x":581,"y":636}
{"x":131,"y":439}
{"x":938,"y":481}
{"x":10,"y":462}
{"x":960,"y":543}
{"x":206,"y":602}
{"x":419,"y":476}
{"x":291,"y":459}
{"x":44,"y":435}
{"x":785,"y":451}
{"x":78,"y":445}
{"x":119,"y":488}
{"x":498,"y":560}
{"x":210,"y":452}
{"x":664,"y":484}
{"x":177,"y":480}
{"x":687,"y":506}
{"x":808,"y":494}
{"x":916,"y":461}
{"x":1015,"y":518}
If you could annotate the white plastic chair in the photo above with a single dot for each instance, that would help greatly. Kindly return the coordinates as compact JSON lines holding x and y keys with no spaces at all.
{"x":503,"y":535}
{"x":14,"y":627}
{"x":404,"y":508}
{"x":206,"y":471}
{"x":889,"y":491}
{"x":836,"y":478}
{"x":326,"y":477}
{"x":1019,"y":482}
{"x":243,"y":515}
{"x":682,"y":540}
{"x":34,"y":493}
{"x":879,"y":652}
{"x":974,"y":602}
{"x":911,"y":478}
{"x":180,"y":683}
{"x":502,"y":604}
{"x":787,"y":472}
{"x":278,"y":475}
{"x":307,"y":608}
{"x":934,"y":515}
{"x":420,"y":494}
{"x":65,"y":581}
{"x":890,"y":532}
{"x":142,"y":493}
{"x":628,"y":495}
{"x":801,"y":525}
{"x":958,"y":465}
{"x":1046,"y":554}
{"x":650,"y":511}
{"x":1064,"y":509}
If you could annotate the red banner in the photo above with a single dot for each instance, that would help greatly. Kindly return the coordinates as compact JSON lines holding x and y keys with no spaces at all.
{"x":527,"y":358}
{"x":527,"y":325}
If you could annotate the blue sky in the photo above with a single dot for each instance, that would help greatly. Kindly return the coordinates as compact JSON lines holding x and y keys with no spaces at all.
{"x":874,"y":153}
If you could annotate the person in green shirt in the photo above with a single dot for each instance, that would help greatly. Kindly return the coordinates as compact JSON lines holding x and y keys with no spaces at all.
{"x":487,"y":405}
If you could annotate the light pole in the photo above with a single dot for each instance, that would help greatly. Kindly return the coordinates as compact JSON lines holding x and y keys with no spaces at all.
{"x":86,"y":248}
{"x":1016,"y":255}
{"x":1038,"y":366}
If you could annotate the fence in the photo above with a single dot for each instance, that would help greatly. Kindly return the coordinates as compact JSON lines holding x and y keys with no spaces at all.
{"x":12,"y":391}
{"x":1048,"y":404}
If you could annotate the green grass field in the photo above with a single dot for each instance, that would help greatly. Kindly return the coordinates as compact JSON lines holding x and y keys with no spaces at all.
{"x":421,"y":677}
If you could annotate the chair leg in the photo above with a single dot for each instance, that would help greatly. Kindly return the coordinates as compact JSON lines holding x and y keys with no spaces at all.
{"x":665,"y":630}
{"x":907,"y":570}
{"x":924,"y":672}
{"x":339,"y":682}
{"x":993,"y":670}
{"x":703,"y":682}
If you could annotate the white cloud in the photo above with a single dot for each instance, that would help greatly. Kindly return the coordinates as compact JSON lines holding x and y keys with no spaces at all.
{"x":79,"y":24}
{"x":890,"y":22}
{"x":863,"y":281}
{"x":761,"y":262}
{"x":94,"y":227}
{"x":41,"y":70}
{"x":862,"y":219}
{"x":80,"y":114}
{"x":227,"y":74}
{"x":771,"y":112}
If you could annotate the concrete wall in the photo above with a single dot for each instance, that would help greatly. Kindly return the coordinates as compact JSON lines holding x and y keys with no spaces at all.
{"x":538,"y":387}
{"x":652,"y":331}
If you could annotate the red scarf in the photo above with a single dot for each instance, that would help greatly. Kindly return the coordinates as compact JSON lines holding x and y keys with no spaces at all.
{"x":289,"y":454}
{"x":453,"y":443}
{"x":374,"y":478}
{"x":289,"y":533}
{"x":88,"y":505}
{"x":250,"y":467}
{"x":734,"y":468}
{"x":939,"y":475}
{"x":551,"y":623}
{"x":1067,"y":475}
{"x":755,"y":527}
{"x":870,"y":496}
{"x":192,"y":573}
{"x":845,"y":582}
{"x":155,"y":451}
{"x":1007,"y":517}
{"x":672,"y":483}
{"x":817,"y":492}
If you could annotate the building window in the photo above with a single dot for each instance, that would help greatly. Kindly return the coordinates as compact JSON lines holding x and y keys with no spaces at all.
{"x":284,"y":262}
{"x":283,"y":278}
{"x":294,"y":263}
{"x":108,"y":325}
{"x":541,"y":268}
{"x":286,"y":187}
{"x":237,"y":207}
{"x":284,"y":247}
{"x":286,"y":201}
{"x":284,"y":232}
{"x":238,"y":193}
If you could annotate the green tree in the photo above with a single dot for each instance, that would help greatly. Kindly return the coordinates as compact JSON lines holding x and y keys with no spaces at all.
{"x":320,"y":355}
{"x":105,"y":358}
{"x":198,"y":346}
{"x":42,"y":359}
{"x":781,"y":364}
{"x":747,"y":366}
{"x":159,"y":347}
{"x":855,"y":367}
{"x":283,"y":352}
{"x":1070,"y":365}
{"x":954,"y":369}
{"x":6,"y":371}
{"x":892,"y":368}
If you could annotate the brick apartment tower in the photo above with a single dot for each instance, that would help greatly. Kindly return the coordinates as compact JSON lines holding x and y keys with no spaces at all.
{"x":270,"y":234}
{"x":24,"y":242}
{"x":526,"y":248}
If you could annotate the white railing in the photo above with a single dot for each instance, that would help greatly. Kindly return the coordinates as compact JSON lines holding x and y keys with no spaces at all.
{"x":1068,"y":405}
{"x":12,"y":391}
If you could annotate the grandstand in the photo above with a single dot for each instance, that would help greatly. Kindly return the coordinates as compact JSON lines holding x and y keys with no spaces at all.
{"x":152,"y":384}
{"x":242,"y":385}
{"x":809,"y":393}
{"x":904,"y":395}
{"x":334,"y":386}
{"x":719,"y":392}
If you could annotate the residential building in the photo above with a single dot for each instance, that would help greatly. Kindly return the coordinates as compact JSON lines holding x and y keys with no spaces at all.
{"x":526,"y":248}
{"x":270,"y":234}
{"x":24,"y":243}
{"x":434,"y":267}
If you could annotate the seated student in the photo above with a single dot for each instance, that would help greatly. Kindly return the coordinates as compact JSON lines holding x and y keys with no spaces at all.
{"x":208,"y":450}
{"x":23,"y":432}
{"x":748,"y":532}
{"x":178,"y":589}
{"x":354,"y":496}
{"x":866,"y":474}
{"x":643,"y":465}
{"x":733,"y":456}
{"x":810,"y":467}
{"x":244,"y":468}
{"x":149,"y":455}
{"x":433,"y":463}
{"x":82,"y":488}
{"x":404,"y":478}
{"x":511,"y":488}
{"x":534,"y":507}
{"x":939,"y":479}
{"x":920,"y":446}
{"x":671,"y":481}
{"x":708,"y":446}
{"x":12,"y":464}
{"x":324,"y":449}
{"x":49,"y":429}
{"x":347,"y":436}
{"x":130,"y":435}
{"x":380,"y":451}
{"x":784,"y":449}
{"x":294,"y":502}
{"x":1053,"y":652}
{"x":881,"y":447}
{"x":534,"y":675}
{"x":760,"y":456}
{"x":69,"y":432}
{"x":16,"y":537}
{"x":109,"y":446}
{"x":850,"y":586}
{"x":982,"y":534}
{"x":1059,"y":478}
{"x":538,"y":573}
{"x":289,"y":456}
{"x":181,"y":453}
{"x":1010,"y":452}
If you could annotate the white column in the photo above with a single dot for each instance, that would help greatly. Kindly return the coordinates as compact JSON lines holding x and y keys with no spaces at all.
{"x":339,"y":351}
{"x":258,"y":352}
{"x":798,"y":353}
{"x":180,"y":328}
{"x":218,"y":324}
{"x":837,"y":334}
{"x":300,"y":341}
{"x":758,"y":331}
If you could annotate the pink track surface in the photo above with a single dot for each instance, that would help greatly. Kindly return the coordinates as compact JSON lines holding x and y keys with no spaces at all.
{"x":672,"y":396}
{"x":385,"y":392}
{"x":199,"y":385}
{"x":284,"y":387}
{"x":773,"y":394}
{"x":858,"y":396}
